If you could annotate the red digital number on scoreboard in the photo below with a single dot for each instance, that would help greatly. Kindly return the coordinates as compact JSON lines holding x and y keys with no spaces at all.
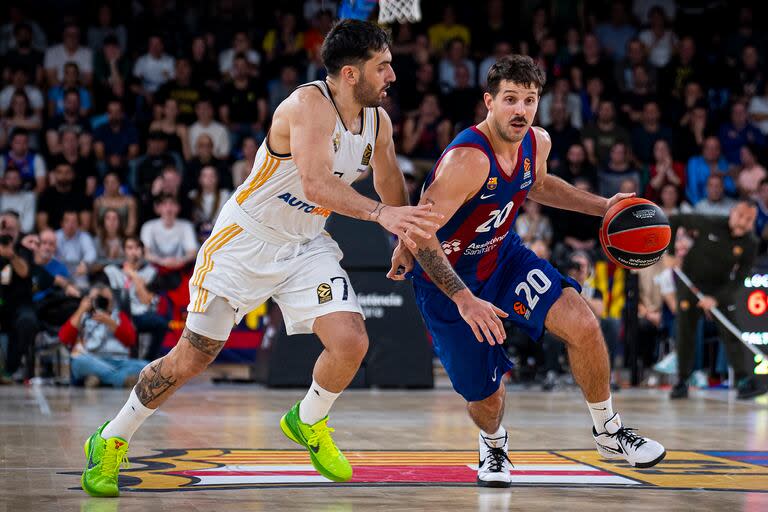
{"x":757,"y":303}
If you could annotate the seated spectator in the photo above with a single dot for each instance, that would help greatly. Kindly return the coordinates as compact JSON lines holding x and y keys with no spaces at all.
{"x":241,"y":45}
{"x":682,"y":68}
{"x":25,"y":55}
{"x":615,"y":33}
{"x":462,"y":98}
{"x":749,"y":76}
{"x":758,"y":109}
{"x":531,"y":225}
{"x":170,"y":183}
{"x":590,"y":64}
{"x":111,"y":72}
{"x":30,"y":164}
{"x":284,"y":43}
{"x":245,"y":110}
{"x":153,"y":69}
{"x":562,"y":132}
{"x":591,"y":96}
{"x":601,"y":135}
{"x":117,"y":137}
{"x":100,"y":337}
{"x":205,"y":157}
{"x":135,"y":281}
{"x":113,"y":198}
{"x":715,"y":202}
{"x":739,"y":132}
{"x":664,"y":170}
{"x":689,"y":140}
{"x":17,"y":314}
{"x":751,"y":173}
{"x":441,"y":33}
{"x":561,"y":93}
{"x":75,"y":248}
{"x":455,"y":55}
{"x":84,"y":165}
{"x":242,"y":168}
{"x":150,"y":165}
{"x":281,"y":88}
{"x":70,"y":119}
{"x":658,"y":38}
{"x":411,"y":96}
{"x":207,"y":200}
{"x":20,"y":83}
{"x":20,"y":116}
{"x":109,"y":239}
{"x":60,"y":197}
{"x":574,"y":231}
{"x":670,"y":199}
{"x":176,"y":134}
{"x":170,"y":242}
{"x":618,"y":169}
{"x":426,"y":133}
{"x":71,"y":81}
{"x":710,"y":162}
{"x":207,"y":125}
{"x":183,"y":90}
{"x":205,"y":69}
{"x":500,"y":49}
{"x":106,"y":29}
{"x":70,"y":50}
{"x":13,"y":198}
{"x":577,"y":167}
{"x":650,"y":130}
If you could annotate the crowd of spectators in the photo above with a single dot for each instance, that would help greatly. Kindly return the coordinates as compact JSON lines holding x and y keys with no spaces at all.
{"x":124,"y":128}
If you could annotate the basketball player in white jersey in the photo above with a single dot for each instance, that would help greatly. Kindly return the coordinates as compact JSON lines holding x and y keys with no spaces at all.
{"x":269,"y":241}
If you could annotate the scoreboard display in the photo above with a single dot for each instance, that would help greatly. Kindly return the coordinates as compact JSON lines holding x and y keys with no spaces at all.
{"x":752,"y":316}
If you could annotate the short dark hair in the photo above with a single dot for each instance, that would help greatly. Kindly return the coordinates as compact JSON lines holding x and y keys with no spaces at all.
{"x":519,"y":69}
{"x":165,"y":197}
{"x":351,"y":42}
{"x":133,"y":238}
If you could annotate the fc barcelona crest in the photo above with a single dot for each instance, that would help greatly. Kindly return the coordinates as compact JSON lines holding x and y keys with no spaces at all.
{"x":492,"y":183}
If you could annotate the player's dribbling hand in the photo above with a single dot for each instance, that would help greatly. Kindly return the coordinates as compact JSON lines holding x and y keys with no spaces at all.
{"x":402,"y":262}
{"x":618,"y":197}
{"x":483,"y":317}
{"x":408,"y":221}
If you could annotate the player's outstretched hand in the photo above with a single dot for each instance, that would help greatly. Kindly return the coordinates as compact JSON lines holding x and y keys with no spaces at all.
{"x":618,"y":197}
{"x":402,"y":262}
{"x":484,"y":318}
{"x":407,"y":221}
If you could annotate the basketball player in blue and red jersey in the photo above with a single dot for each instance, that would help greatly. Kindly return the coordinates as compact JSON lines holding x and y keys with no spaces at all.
{"x":477,"y":271}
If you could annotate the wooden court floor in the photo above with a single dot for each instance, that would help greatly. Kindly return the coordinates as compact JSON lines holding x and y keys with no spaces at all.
{"x":220,"y":448}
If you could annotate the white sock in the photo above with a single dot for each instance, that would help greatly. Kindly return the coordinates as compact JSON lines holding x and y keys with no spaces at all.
{"x":128,"y":420}
{"x":496,"y":439}
{"x":601,"y":412}
{"x":316,"y":404}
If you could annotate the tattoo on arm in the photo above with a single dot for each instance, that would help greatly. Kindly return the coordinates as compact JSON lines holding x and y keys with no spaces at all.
{"x":152,"y":383}
{"x":203,"y":344}
{"x":440,"y":271}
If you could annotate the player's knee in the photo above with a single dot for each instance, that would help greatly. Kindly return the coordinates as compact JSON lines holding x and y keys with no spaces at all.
{"x":353,"y":345}
{"x":589,"y":332}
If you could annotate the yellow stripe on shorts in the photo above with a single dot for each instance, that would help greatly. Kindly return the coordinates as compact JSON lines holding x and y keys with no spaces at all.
{"x":207,"y":249}
{"x":231,"y":232}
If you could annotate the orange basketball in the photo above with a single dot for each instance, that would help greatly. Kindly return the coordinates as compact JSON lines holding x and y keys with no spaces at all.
{"x":635,"y":233}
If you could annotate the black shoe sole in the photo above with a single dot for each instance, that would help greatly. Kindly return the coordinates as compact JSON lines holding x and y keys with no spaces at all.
{"x":752,"y":394}
{"x":653,"y":462}
{"x":494,"y":484}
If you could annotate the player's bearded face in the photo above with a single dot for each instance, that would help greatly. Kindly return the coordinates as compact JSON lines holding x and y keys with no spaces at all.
{"x":367,"y":93}
{"x":513,"y":110}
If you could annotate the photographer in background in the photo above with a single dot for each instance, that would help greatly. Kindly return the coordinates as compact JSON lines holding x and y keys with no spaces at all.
{"x":17,"y":315}
{"x":100,"y":336}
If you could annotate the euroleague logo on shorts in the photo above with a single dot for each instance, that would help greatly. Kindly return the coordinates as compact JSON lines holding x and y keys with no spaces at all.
{"x":521,"y":310}
{"x":324,"y":293}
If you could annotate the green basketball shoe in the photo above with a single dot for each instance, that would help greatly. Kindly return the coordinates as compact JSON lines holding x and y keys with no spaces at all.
{"x":104,"y":458}
{"x":326,"y":458}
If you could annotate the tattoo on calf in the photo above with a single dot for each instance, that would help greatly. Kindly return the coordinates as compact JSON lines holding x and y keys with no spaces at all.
{"x":152,"y":383}
{"x":203,"y":344}
{"x":440,"y":271}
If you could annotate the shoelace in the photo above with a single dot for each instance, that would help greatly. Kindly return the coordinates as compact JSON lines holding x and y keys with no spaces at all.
{"x":118,"y":460}
{"x":321,"y":436}
{"x":497,"y":457}
{"x":629,"y":437}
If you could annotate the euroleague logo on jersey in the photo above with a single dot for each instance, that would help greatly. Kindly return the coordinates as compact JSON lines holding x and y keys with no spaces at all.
{"x":521,"y":310}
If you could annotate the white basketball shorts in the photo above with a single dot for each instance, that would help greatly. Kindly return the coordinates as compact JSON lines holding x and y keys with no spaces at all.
{"x":243,"y":263}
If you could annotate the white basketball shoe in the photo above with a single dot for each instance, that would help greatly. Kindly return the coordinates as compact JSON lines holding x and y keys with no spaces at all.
{"x":620,"y":442}
{"x":494,"y":467}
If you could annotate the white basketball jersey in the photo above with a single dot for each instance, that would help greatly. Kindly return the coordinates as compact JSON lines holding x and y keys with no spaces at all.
{"x":272,"y":194}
